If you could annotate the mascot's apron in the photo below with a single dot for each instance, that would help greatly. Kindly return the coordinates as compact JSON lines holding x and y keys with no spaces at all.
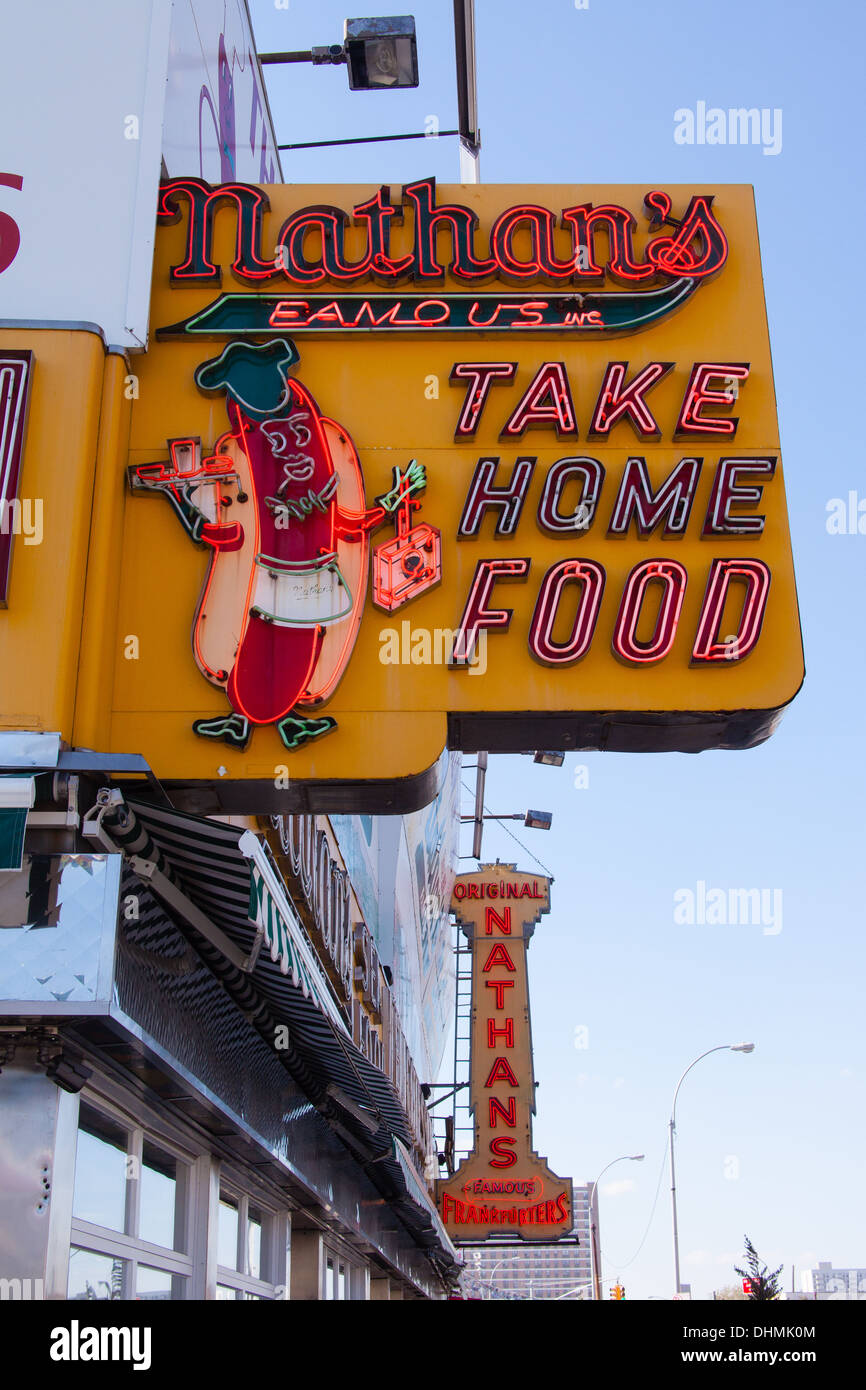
{"x":298,"y":594}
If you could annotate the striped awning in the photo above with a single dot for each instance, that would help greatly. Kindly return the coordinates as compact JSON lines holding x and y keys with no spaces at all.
{"x":241,"y":892}
{"x":16,"y":797}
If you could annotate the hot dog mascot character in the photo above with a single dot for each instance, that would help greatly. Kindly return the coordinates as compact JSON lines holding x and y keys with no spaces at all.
{"x":281,"y":506}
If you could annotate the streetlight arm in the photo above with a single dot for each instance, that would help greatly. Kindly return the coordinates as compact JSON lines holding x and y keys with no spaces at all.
{"x":723,"y":1047}
{"x":594,"y":1256}
{"x":598,"y":1180}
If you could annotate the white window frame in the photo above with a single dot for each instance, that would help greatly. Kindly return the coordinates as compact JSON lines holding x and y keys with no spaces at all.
{"x":356,"y":1287}
{"x":270,"y":1284}
{"x":125,"y":1245}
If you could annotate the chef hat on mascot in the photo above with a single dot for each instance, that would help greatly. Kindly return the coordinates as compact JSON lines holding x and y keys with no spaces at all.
{"x":253,"y":375}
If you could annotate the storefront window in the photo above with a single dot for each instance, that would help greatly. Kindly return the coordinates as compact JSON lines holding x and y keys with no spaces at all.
{"x":95,"y":1277}
{"x":254,"y":1243}
{"x":337,"y":1274}
{"x":100,"y":1171}
{"x":227,"y":1237}
{"x":250,"y":1262}
{"x":153,"y":1283}
{"x":130,"y":1213}
{"x":137,"y":1198}
{"x":158,"y":1197}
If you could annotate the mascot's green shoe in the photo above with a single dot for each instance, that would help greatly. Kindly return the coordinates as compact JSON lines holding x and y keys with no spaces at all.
{"x":232,"y":729}
{"x":295,"y":730}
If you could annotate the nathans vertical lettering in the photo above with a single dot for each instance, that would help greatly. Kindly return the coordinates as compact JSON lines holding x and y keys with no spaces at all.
{"x":504,"y":1187}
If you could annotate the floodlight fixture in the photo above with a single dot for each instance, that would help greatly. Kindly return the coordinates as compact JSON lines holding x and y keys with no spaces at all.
{"x":381,"y":53}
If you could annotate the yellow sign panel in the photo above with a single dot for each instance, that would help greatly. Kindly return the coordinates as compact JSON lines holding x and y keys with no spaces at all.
{"x":489,"y":467}
{"x":503,"y":1187}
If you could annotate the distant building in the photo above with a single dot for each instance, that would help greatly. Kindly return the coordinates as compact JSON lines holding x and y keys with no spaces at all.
{"x":548,"y":1270}
{"x":826,"y":1282}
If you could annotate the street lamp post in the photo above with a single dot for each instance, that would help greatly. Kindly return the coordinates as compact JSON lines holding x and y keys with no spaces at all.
{"x":596,"y":1264}
{"x":490,"y":1282}
{"x":724,"y":1047}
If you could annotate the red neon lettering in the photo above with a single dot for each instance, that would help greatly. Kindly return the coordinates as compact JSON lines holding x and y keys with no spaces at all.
{"x":697,"y":248}
{"x":492,"y":917}
{"x":590,"y":576}
{"x":329,"y":313}
{"x":673,"y":578}
{"x":592,"y":319}
{"x":616,"y":400}
{"x":462,"y":224}
{"x":756,"y":575}
{"x":501,"y":1071}
{"x":366,"y":310}
{"x":476,"y":614}
{"x":500,"y":986}
{"x":675,"y":255}
{"x":546,"y":401}
{"x":328,"y":225}
{"x":727,"y":492}
{"x":503,"y":1146}
{"x":250,"y":203}
{"x":591,"y":473}
{"x":618,"y":224}
{"x":530,"y":314}
{"x":378,"y":213}
{"x":507,"y":500}
{"x":506,"y":1032}
{"x":289,"y":313}
{"x":423,"y":316}
{"x":543,"y":261}
{"x":479,"y":376}
{"x":673,"y":501}
{"x":698,"y":394}
{"x":499,"y":956}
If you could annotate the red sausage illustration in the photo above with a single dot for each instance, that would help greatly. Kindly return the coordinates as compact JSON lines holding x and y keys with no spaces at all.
{"x":281,"y":504}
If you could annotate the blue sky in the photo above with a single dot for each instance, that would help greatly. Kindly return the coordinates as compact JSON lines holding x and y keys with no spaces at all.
{"x":769,"y":1144}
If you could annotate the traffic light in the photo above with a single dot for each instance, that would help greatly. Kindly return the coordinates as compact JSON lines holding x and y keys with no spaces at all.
{"x":617,"y":1291}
